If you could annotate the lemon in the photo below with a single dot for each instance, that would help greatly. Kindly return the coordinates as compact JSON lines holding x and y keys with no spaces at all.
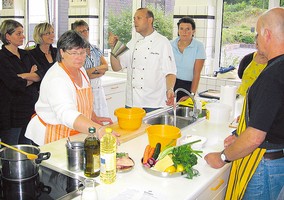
{"x":170,"y":169}
{"x":180,"y":168}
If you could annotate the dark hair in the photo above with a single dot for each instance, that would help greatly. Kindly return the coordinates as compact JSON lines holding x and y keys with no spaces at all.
{"x":78,"y":23}
{"x":8,"y":26}
{"x":70,"y":40}
{"x":188,"y":20}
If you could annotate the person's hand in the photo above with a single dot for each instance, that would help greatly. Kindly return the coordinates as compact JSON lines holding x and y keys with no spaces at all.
{"x":102,"y":120}
{"x":112,"y":39}
{"x":102,"y":131}
{"x":33,"y":69}
{"x":170,"y":98}
{"x":229,"y":140}
{"x":184,"y":98}
{"x":214,"y":160}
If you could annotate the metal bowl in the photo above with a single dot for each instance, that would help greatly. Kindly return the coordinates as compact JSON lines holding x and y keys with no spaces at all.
{"x":162,"y":174}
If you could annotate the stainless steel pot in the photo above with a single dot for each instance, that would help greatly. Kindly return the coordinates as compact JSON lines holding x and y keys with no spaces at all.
{"x":16,"y":166}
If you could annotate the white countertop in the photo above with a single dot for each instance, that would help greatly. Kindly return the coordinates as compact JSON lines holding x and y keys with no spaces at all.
{"x":165,"y":188}
{"x":111,"y":78}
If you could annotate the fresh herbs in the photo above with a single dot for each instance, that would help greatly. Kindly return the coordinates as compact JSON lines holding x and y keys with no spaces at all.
{"x":185,"y":156}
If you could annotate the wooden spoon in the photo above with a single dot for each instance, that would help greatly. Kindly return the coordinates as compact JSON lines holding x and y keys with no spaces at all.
{"x":29,"y":155}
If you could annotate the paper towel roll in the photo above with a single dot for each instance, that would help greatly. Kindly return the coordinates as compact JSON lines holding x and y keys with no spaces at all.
{"x":228,"y":97}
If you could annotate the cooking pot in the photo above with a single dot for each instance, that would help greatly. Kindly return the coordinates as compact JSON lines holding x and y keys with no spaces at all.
{"x":218,"y":113}
{"x":16,"y":166}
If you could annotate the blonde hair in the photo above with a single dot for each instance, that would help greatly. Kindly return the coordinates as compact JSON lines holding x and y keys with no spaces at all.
{"x":40,"y":30}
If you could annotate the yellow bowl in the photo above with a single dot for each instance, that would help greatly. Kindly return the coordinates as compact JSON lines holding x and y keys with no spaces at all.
{"x":165,"y":134}
{"x":129,"y":118}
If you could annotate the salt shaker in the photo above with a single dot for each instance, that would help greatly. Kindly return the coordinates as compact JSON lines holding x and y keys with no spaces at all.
{"x":89,"y":192}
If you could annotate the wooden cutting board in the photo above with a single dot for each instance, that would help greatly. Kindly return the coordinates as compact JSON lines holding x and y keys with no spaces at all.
{"x":126,"y":135}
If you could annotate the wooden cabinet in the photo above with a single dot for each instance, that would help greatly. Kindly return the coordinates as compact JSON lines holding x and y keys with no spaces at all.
{"x":217,"y":187}
{"x":115,"y":96}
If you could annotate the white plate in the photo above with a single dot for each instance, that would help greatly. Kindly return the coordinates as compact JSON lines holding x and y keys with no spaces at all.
{"x":191,"y":138}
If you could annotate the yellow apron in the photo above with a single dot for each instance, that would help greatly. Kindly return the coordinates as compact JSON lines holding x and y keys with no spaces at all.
{"x":250,"y":75}
{"x":242,"y":169}
{"x":85,"y":106}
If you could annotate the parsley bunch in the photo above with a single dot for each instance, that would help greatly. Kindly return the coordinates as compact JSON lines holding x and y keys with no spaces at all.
{"x":187,"y":157}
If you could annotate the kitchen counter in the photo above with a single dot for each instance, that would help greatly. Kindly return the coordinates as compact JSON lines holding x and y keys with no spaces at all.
{"x":111,"y":78}
{"x":138,"y":180}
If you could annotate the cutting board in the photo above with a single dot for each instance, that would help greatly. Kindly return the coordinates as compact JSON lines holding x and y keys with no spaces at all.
{"x":126,"y":135}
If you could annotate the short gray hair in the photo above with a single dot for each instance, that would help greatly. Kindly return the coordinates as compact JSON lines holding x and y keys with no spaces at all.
{"x":70,"y":40}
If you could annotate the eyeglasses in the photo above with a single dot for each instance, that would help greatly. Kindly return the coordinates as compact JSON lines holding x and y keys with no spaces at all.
{"x":83,"y":53}
{"x":84,"y":31}
{"x":48,"y":33}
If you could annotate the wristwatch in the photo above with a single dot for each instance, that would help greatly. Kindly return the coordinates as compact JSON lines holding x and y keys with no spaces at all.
{"x":223,"y":157}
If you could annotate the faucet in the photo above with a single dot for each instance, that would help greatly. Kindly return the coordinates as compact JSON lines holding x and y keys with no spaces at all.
{"x":195,"y":110}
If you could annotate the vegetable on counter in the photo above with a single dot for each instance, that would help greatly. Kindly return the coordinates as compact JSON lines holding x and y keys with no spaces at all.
{"x":173,"y":159}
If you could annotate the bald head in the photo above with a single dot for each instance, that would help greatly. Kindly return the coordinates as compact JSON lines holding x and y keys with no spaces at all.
{"x":273,"y":20}
{"x":270,"y":30}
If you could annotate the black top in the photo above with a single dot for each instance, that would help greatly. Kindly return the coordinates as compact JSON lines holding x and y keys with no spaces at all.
{"x":40,"y":58}
{"x":266,"y":102}
{"x":17,"y":100}
{"x":244,"y":63}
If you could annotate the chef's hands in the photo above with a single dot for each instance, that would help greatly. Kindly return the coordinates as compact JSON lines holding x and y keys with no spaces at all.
{"x":170,"y":97}
{"x":112,"y":39}
{"x":214,"y":160}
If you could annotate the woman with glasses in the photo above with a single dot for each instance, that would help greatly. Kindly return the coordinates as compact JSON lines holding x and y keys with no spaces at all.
{"x":18,"y":75}
{"x":44,"y":52}
{"x":65,"y":105}
{"x":96,"y":66}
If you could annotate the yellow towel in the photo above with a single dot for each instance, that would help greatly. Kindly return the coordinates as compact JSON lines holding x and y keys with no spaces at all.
{"x":189,"y":103}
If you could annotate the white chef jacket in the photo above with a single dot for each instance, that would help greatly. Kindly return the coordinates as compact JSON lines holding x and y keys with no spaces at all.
{"x":57,"y":103}
{"x":148,"y":61}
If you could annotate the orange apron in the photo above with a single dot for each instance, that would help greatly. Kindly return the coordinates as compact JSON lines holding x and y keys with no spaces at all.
{"x":84,"y":104}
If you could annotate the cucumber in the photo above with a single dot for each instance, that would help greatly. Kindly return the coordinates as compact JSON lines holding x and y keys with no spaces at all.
{"x":157,"y":151}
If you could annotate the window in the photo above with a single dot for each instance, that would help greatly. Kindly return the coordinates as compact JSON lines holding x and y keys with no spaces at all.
{"x":238,"y":30}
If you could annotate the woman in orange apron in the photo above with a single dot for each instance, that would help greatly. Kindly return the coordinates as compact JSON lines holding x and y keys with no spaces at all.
{"x":65,"y":105}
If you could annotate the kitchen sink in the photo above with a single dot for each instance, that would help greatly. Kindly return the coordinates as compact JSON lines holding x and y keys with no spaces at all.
{"x":183,"y":117}
{"x":181,"y":122}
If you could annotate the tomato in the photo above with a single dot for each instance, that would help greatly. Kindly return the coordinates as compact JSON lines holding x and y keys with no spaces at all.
{"x":170,"y":169}
{"x":180,"y":168}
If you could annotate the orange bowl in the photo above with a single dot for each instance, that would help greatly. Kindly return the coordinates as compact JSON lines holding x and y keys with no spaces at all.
{"x":167,"y":135}
{"x":129,"y":118}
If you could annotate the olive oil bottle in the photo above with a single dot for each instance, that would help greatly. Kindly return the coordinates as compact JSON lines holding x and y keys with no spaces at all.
{"x":92,"y":154}
{"x":108,"y":157}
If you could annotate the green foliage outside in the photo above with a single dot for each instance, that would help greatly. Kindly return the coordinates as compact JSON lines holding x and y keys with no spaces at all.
{"x":239,"y":22}
{"x":121,"y":25}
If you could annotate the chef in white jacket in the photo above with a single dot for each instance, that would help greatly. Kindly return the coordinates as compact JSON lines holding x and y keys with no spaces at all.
{"x":151,"y":69}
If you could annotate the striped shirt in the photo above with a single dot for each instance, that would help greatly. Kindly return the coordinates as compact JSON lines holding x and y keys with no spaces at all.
{"x":94,"y":59}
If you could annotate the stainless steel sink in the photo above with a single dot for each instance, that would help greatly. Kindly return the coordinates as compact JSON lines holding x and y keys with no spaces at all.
{"x":181,"y":122}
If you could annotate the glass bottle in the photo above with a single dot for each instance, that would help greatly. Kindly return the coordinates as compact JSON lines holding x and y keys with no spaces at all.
{"x":92,"y":154}
{"x":89,"y":192}
{"x":108,"y":157}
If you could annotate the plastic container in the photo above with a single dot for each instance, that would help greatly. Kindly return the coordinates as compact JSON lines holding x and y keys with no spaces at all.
{"x":165,"y":134}
{"x":108,"y":157}
{"x":218,"y":113}
{"x":129,"y":118}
